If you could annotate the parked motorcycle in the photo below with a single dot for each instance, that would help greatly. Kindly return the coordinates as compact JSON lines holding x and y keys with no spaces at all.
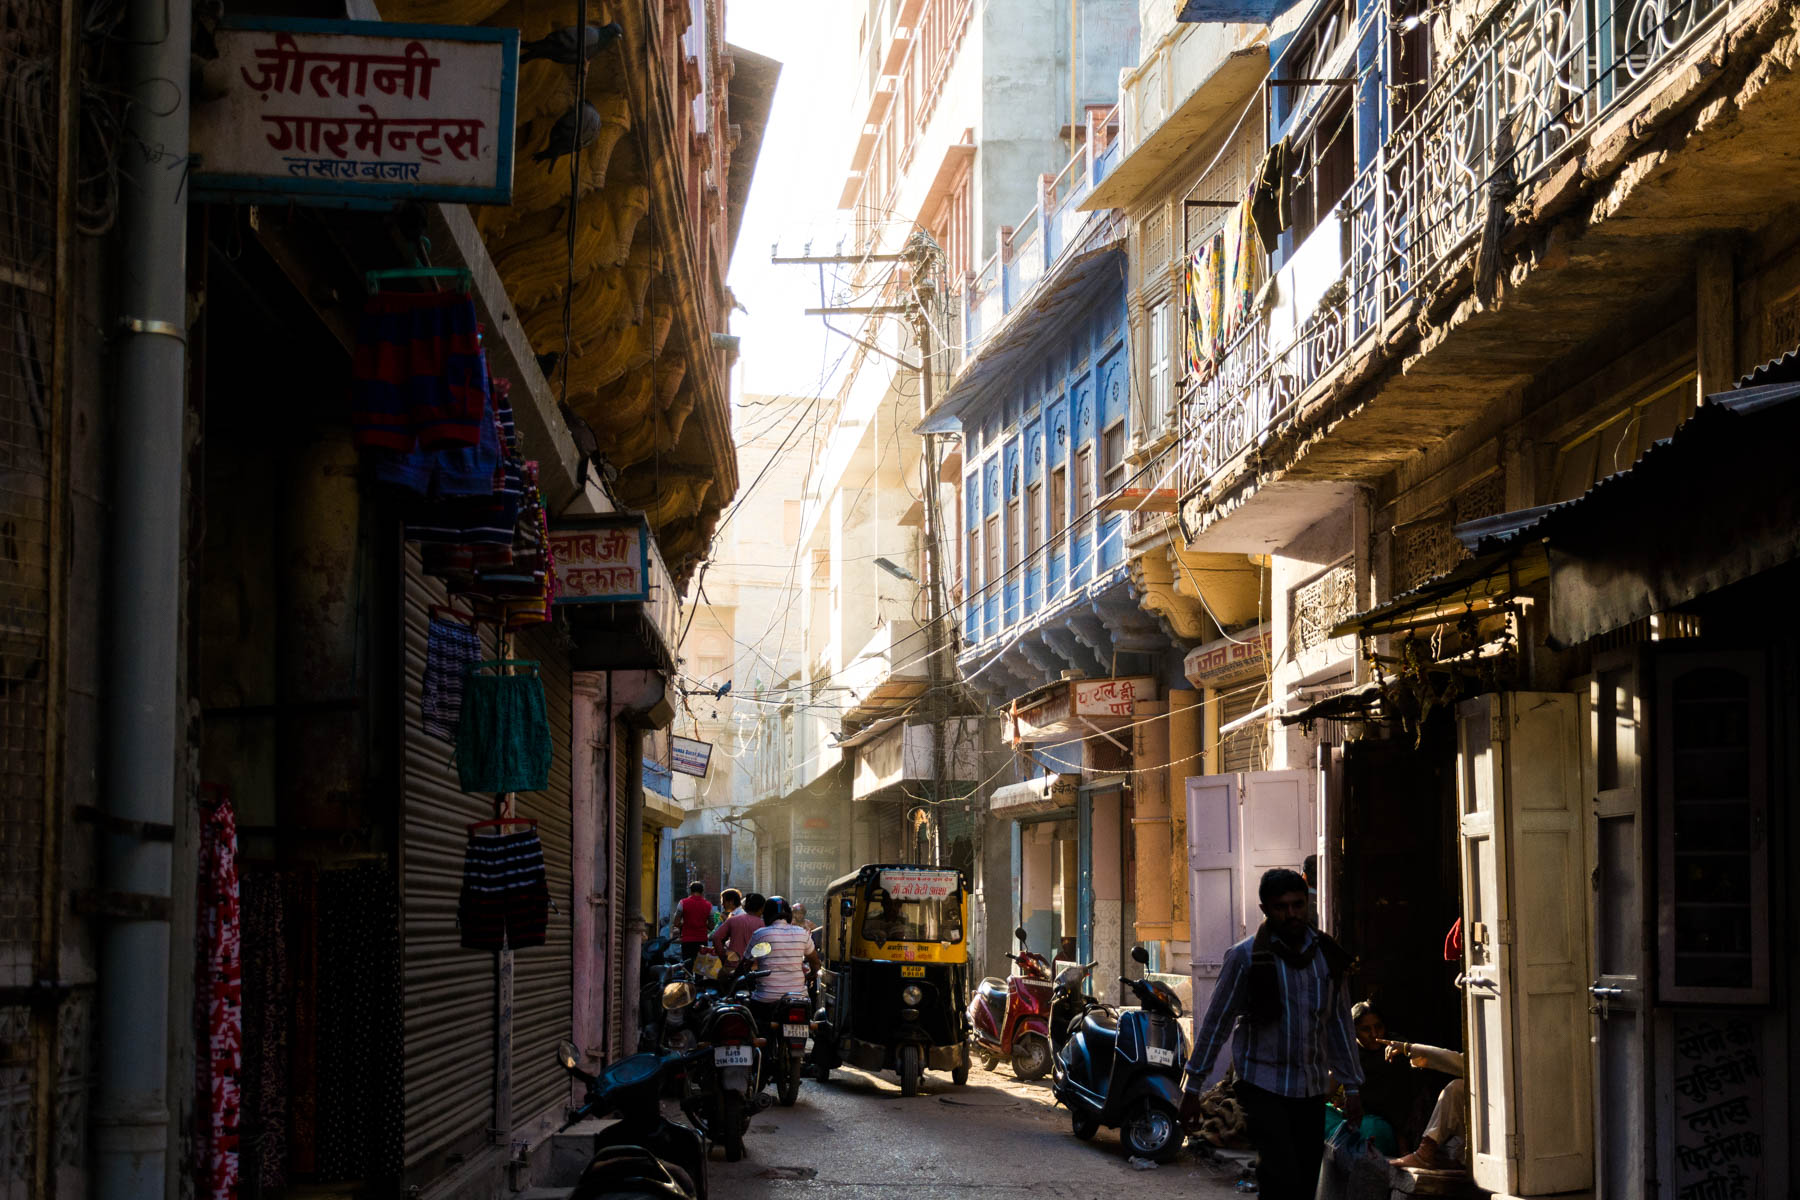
{"x":659,"y":963}
{"x":1010,"y":1018}
{"x":1123,"y":1068}
{"x":786,"y":1028}
{"x":643,"y":1154}
{"x":720,"y":1086}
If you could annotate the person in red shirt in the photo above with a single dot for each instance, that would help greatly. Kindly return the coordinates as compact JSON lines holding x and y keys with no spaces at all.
{"x":734,"y":932}
{"x":692,"y":921}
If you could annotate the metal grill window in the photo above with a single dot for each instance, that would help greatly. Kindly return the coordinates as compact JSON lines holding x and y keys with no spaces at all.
{"x":1318,"y":605}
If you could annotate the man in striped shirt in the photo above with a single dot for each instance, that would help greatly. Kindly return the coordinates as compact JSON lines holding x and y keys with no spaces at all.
{"x":1283,"y":1000}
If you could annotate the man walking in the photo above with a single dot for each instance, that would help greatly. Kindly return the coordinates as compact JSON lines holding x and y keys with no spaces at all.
{"x":1282,"y":999}
{"x":733,"y":933}
{"x":692,"y":921}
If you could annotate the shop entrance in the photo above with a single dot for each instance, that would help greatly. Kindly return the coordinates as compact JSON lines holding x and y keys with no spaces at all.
{"x":1396,"y":899}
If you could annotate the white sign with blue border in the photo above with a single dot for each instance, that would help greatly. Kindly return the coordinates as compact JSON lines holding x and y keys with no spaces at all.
{"x":358,"y":114}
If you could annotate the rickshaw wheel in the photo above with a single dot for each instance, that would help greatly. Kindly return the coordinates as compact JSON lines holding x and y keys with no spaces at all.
{"x":959,"y":1075}
{"x":910,"y":1071}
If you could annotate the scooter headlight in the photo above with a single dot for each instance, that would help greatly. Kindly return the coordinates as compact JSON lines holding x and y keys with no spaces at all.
{"x":910,"y":995}
{"x":679,"y":994}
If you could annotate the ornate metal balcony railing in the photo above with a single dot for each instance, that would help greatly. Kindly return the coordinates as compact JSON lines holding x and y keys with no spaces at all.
{"x":1533,"y":77}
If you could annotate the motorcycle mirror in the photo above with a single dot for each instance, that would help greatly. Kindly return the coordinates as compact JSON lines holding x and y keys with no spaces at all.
{"x":567,"y":1055}
{"x":762,"y":950}
{"x":1139,"y":955}
{"x":1020,"y":934}
{"x":847,"y":907}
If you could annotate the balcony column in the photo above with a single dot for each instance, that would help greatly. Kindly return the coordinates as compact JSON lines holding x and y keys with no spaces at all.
{"x":1184,"y":748}
{"x":1152,"y":842}
{"x":1715,"y":318}
{"x":1005,"y":239}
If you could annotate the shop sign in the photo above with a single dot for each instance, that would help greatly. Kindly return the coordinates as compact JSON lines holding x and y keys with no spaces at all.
{"x":813,"y":861}
{"x":601,"y":560}
{"x":919,"y":885}
{"x":1229,"y":660}
{"x":688,"y":756}
{"x":1110,"y":697}
{"x":356,"y":113}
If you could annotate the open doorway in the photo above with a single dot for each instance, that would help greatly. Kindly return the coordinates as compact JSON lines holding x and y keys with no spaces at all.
{"x":1396,"y":901}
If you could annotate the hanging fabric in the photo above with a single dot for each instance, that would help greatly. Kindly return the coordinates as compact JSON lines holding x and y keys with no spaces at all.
{"x":503,"y":737}
{"x":219,"y":997}
{"x":417,"y":377}
{"x":505,"y":895}
{"x":452,"y":647}
{"x":1206,"y":306}
{"x":262,"y":1128}
{"x":362,"y":1107}
{"x":1271,"y":205}
{"x":1243,"y":269}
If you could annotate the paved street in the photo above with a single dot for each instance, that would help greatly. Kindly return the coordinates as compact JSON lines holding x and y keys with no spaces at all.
{"x":858,"y":1137}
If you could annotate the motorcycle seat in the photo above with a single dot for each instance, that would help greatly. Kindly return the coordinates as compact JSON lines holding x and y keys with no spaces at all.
{"x":1100,"y":1029}
{"x":993,"y":989}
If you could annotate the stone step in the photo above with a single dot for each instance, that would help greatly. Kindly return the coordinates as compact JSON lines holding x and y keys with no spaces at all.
{"x":1413,"y":1181}
{"x":571,"y":1150}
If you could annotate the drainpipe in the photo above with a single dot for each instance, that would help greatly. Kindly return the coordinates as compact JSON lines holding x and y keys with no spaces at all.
{"x":138,"y":753}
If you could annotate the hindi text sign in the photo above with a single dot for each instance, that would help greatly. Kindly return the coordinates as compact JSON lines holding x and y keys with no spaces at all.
{"x":919,"y":885}
{"x":357,"y":112}
{"x":1110,"y":697}
{"x":688,"y":756}
{"x":601,"y":560}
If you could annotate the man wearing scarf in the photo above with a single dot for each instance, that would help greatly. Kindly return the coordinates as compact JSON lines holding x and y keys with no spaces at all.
{"x":1283,"y":1000}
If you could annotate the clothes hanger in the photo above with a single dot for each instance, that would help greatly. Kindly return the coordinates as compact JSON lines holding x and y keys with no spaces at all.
{"x":374,"y":280}
{"x":498,"y":821}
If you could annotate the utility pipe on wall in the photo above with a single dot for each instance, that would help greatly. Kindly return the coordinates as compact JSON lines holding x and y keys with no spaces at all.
{"x":138,"y":750}
{"x":1183,"y":760}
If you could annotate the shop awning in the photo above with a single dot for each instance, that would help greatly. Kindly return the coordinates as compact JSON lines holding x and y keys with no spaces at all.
{"x":1711,"y":505}
{"x":662,"y":813}
{"x":1045,"y":794}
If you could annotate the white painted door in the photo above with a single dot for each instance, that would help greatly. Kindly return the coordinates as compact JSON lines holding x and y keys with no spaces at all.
{"x":1614,"y":730}
{"x":1525,"y":932}
{"x":1280,"y":830}
{"x":1215,"y":890}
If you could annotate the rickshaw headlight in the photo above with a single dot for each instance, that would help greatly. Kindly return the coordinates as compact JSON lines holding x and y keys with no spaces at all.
{"x":910,"y":995}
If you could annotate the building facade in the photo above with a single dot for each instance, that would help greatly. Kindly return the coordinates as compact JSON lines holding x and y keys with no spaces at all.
{"x":237,"y":933}
{"x":1439,"y":429}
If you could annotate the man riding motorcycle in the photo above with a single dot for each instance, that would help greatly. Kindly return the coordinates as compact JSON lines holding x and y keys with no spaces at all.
{"x":790,"y":957}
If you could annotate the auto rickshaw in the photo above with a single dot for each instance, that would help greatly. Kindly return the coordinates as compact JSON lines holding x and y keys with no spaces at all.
{"x":895,"y":983}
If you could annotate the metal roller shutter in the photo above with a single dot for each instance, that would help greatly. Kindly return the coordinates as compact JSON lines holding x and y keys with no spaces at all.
{"x":450,"y":1034}
{"x":1245,"y":748}
{"x":543,"y":976}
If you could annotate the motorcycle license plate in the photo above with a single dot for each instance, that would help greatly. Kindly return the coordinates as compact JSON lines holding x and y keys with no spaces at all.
{"x":732,"y":1056}
{"x":796,"y":1031}
{"x":1159,"y":1056}
{"x":912,"y":971}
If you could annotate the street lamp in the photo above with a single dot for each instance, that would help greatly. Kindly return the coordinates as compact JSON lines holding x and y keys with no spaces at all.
{"x":895,"y":569}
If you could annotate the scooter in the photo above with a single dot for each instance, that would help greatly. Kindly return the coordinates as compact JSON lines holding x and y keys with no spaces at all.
{"x":1010,"y":1018}
{"x":642,"y":1154}
{"x":1069,"y":1000}
{"x":1123,"y":1069}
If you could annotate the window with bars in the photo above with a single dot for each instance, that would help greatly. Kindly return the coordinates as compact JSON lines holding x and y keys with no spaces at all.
{"x":991,"y":540}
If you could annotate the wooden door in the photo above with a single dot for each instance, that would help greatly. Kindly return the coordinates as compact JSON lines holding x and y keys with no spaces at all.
{"x":1525,"y":934}
{"x":1215,"y":891}
{"x":1613,"y":736}
{"x":1280,"y":822}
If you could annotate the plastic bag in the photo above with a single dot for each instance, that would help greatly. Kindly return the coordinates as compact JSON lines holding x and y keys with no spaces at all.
{"x":1354,"y":1169}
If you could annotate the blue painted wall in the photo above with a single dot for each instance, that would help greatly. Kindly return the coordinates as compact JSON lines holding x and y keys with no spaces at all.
{"x":1055,"y":415}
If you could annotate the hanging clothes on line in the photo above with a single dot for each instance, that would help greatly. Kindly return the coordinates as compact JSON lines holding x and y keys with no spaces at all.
{"x":503,"y":738}
{"x":505,"y":899}
{"x":1206,"y":306}
{"x":452,"y":646}
{"x":1271,"y":205}
{"x":417,"y":376}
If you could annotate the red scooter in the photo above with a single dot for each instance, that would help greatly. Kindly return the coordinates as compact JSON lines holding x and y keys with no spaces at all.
{"x":1010,"y":1018}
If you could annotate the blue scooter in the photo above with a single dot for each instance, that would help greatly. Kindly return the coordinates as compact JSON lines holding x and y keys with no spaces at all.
{"x":1122,"y":1068}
